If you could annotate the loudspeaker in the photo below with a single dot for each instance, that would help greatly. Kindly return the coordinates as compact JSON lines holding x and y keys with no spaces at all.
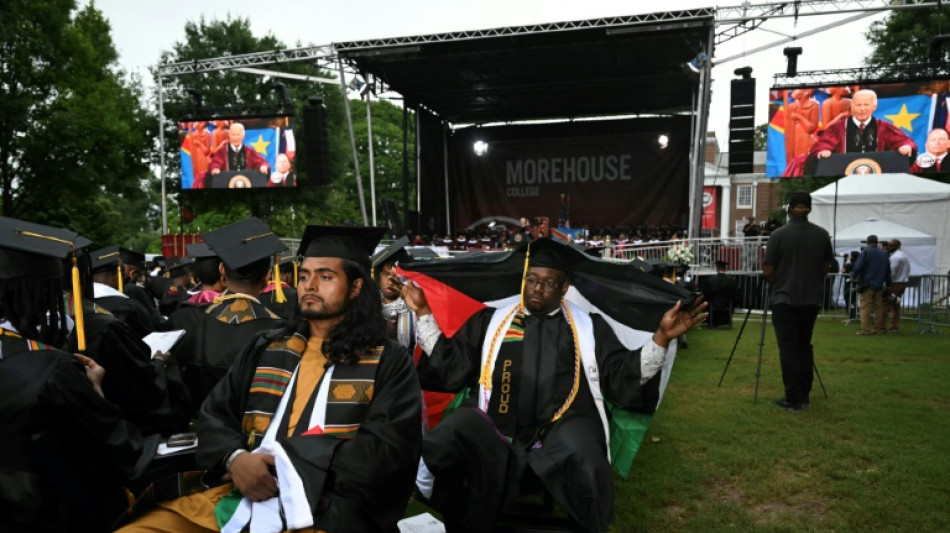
{"x":315,"y":141}
{"x":742,"y":126}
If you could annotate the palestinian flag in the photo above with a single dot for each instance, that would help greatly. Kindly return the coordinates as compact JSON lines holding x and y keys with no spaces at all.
{"x":631,"y":300}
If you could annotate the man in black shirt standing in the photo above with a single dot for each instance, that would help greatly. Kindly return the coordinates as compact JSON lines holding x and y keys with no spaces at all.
{"x":797,"y":257}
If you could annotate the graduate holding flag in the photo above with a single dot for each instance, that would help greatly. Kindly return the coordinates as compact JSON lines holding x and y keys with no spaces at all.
{"x":540,"y":370}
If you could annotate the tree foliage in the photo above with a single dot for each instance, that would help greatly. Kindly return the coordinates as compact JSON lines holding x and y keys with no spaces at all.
{"x":75,"y":138}
{"x":285,"y":211}
{"x":904,"y":37}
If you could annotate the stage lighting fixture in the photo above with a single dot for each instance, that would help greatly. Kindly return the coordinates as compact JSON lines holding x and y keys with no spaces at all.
{"x":697,"y":63}
{"x":491,"y":225}
{"x":792,"y":53}
{"x":743,"y":72}
{"x":359,"y":85}
{"x":663,"y":141}
{"x":480,"y":148}
{"x":197,"y":99}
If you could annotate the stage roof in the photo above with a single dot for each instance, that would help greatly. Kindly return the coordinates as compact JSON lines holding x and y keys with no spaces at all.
{"x":608,"y":66}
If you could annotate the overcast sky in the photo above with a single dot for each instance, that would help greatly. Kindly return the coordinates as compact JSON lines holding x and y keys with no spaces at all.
{"x":143,"y":29}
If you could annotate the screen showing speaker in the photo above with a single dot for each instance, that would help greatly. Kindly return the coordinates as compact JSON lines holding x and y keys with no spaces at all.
{"x":859,"y":128}
{"x":238,"y":153}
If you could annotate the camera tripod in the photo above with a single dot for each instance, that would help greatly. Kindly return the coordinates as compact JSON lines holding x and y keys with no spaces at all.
{"x":758,"y":366}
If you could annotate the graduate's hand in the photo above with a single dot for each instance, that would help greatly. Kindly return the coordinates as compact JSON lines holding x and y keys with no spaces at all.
{"x":251,"y":474}
{"x":415,"y":299}
{"x":94,"y":372}
{"x":678,"y":321}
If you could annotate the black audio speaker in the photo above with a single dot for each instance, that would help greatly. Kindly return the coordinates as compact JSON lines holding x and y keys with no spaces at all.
{"x":315,"y":141}
{"x":742,"y":126}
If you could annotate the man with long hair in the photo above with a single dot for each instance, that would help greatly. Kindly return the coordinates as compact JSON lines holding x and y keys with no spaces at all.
{"x":316,"y":424}
{"x":66,"y":450}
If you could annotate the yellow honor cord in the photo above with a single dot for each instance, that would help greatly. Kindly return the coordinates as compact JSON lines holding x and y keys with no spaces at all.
{"x":485,"y":378}
{"x":278,"y":286}
{"x":77,"y":308}
{"x":524,"y":274}
{"x":119,"y":276}
{"x":295,"y":273}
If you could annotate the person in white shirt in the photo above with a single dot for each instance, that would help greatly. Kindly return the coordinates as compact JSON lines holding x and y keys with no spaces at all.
{"x":900,"y":274}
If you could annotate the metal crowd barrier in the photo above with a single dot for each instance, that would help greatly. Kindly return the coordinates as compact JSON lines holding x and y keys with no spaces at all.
{"x":926,"y":300}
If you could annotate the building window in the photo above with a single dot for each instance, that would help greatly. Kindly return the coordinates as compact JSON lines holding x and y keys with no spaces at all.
{"x":744,"y":197}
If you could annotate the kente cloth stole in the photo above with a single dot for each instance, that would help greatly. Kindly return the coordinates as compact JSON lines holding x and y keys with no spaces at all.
{"x":506,"y":380}
{"x":349,"y":391}
{"x":13,"y":343}
{"x":237,"y":309}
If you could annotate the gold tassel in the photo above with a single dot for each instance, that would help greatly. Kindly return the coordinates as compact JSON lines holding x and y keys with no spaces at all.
{"x":277,"y":283}
{"x":527,"y":257}
{"x":120,"y":276}
{"x":77,"y":308}
{"x":295,"y":273}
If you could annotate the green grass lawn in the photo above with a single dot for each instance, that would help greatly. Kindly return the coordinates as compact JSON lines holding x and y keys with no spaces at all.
{"x":873,"y":456}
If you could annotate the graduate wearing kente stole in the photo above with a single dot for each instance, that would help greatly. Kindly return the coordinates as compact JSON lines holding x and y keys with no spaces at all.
{"x":539,"y":369}
{"x":316,"y":425}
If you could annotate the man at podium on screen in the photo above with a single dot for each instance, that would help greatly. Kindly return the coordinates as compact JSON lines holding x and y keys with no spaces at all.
{"x":235,"y":155}
{"x":863,"y":132}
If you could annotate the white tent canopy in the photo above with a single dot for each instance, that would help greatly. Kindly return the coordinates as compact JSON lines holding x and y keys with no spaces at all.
{"x":904,"y":199}
{"x":920,"y":247}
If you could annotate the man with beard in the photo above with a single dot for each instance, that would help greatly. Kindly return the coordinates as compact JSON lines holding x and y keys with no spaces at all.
{"x":317,"y":424}
{"x":539,"y":370}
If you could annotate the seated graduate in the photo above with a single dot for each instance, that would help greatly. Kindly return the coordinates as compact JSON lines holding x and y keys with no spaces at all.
{"x":65,"y":452}
{"x":285,"y":306}
{"x":147,"y":388}
{"x":176,"y":284}
{"x":108,"y":292}
{"x":317,"y":424}
{"x":400,"y":321}
{"x":539,"y":370}
{"x":133,"y":268}
{"x":217,"y":333}
{"x":206,"y":269}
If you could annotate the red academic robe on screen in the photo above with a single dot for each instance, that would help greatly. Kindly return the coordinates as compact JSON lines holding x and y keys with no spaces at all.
{"x":889,"y":137}
{"x":219,"y":160}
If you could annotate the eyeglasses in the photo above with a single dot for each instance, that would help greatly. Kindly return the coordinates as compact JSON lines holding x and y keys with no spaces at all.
{"x":547,"y":286}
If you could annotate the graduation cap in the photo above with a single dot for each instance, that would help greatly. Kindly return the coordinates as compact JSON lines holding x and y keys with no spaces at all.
{"x":35,"y":251}
{"x":178,"y":266}
{"x":392,"y":253}
{"x":246,"y":242}
{"x":205,"y":261}
{"x":355,"y":243}
{"x":108,"y":259}
{"x":131,"y":257}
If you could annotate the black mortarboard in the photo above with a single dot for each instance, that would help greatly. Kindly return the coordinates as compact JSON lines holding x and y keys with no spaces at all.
{"x":200,"y":250}
{"x":548,"y":253}
{"x":244,"y":242}
{"x":286,"y":258}
{"x":103,"y":259}
{"x":33,"y":250}
{"x":394,"y":252}
{"x":131,"y":257}
{"x":355,"y":243}
{"x":178,"y":266}
{"x":29,"y":250}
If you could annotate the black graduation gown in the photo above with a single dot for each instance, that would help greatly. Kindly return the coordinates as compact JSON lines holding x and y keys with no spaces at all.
{"x":140,"y":319}
{"x":359,"y":485}
{"x":149,"y":392}
{"x":209,"y":346}
{"x":474,"y":487}
{"x":65,"y":452}
{"x":287,"y":310}
{"x":139,"y":294}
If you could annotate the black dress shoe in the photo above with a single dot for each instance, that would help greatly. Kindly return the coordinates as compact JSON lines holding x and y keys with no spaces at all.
{"x":791,"y":406}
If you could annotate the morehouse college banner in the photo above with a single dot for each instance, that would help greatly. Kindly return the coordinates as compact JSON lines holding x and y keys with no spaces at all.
{"x":607,"y":173}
